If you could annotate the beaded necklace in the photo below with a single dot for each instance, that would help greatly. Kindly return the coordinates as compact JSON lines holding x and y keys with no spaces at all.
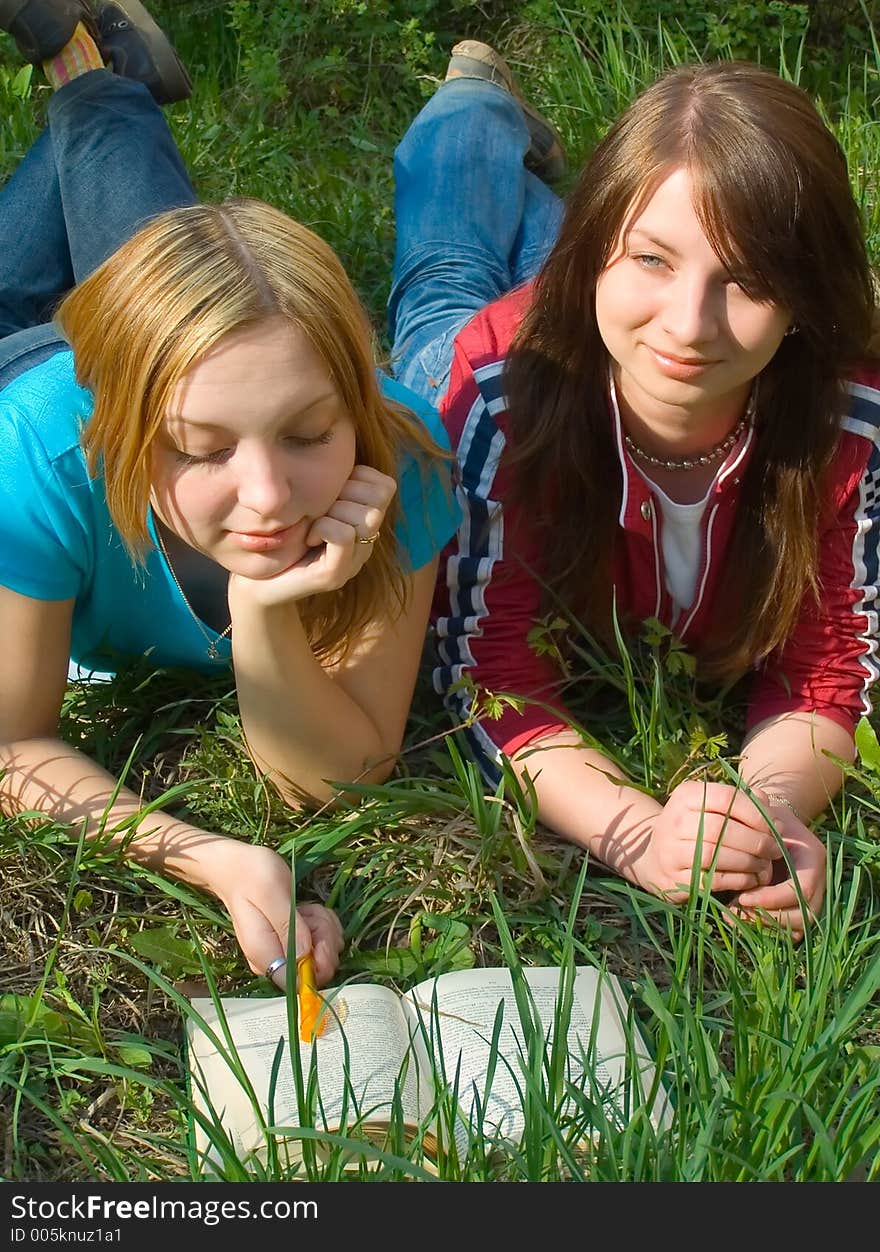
{"x":692,"y":462}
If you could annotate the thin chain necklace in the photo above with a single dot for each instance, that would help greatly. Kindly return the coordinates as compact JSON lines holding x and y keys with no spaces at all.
{"x":213,"y":650}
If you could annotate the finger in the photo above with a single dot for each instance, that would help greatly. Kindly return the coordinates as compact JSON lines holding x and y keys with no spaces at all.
{"x":788,"y":919}
{"x":738,"y":837}
{"x":268,"y":930}
{"x":324,"y":924}
{"x":724,"y":881}
{"x":732,"y":860}
{"x":326,"y":958}
{"x":363,"y":519}
{"x":780,"y":895}
{"x":718,"y":882}
{"x":367,"y":476}
{"x":372,"y":495}
{"x":303,"y":936}
{"x":791,"y":920}
{"x":729,"y":802}
{"x":261,"y":942}
{"x":331,"y":531}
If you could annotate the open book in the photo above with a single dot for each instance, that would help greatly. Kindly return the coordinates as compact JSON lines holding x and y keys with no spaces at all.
{"x":446,"y":1030}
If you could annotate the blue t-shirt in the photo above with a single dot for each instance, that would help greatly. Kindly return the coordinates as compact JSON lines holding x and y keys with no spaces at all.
{"x":58,"y":542}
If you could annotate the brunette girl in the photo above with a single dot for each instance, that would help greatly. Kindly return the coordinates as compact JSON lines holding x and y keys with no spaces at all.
{"x":674,"y":419}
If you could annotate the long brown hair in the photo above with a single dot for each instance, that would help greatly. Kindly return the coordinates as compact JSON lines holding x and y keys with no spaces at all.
{"x":171,"y":293}
{"x":772,"y":193}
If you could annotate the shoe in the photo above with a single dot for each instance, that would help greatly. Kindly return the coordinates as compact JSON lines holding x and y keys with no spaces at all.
{"x":41,"y":28}
{"x":472,"y":59}
{"x":135,"y":47}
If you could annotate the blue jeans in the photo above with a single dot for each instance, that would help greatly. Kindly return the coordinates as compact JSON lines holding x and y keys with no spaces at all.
{"x":105,"y":165}
{"x":472,"y":223}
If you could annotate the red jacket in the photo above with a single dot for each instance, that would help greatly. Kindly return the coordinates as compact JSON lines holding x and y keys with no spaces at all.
{"x":492,"y":598}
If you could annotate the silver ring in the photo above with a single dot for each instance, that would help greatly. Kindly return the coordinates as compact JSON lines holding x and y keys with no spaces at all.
{"x":275,"y":965}
{"x":368,"y":538}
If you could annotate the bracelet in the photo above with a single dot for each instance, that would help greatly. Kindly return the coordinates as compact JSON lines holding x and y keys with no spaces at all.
{"x":774,"y":798}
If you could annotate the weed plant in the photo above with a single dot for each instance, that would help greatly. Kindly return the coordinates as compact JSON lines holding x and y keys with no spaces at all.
{"x":769,"y":1050}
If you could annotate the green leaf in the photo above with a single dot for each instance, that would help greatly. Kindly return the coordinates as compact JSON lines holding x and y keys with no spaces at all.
{"x":133,"y":1054}
{"x":26,"y":1017}
{"x":867,"y":745}
{"x":82,"y":900}
{"x":21,"y":84}
{"x":390,"y":962}
{"x":451,"y":949}
{"x":162,"y":946}
{"x":445,"y":923}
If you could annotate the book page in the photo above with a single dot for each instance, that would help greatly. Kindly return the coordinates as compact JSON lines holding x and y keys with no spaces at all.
{"x":467,"y":1002}
{"x":378,"y":1042}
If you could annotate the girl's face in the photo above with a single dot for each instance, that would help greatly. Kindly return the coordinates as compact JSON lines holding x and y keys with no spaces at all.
{"x":685,"y":340}
{"x":256,"y":444}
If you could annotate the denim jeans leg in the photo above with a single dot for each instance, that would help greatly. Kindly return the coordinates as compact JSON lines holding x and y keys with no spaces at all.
{"x":459,"y":200}
{"x":117,"y":163}
{"x":106,"y":164}
{"x":35,"y":265}
{"x":541,"y":219}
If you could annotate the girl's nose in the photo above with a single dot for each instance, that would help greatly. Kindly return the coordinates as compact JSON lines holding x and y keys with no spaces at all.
{"x":691,"y":314}
{"x":263,"y":484}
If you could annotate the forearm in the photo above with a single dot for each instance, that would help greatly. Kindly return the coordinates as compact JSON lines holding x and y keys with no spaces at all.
{"x":584,"y":797}
{"x":300,"y":726}
{"x":788,"y":756}
{"x":48,"y":776}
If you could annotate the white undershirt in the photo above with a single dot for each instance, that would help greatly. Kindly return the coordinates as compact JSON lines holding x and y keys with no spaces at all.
{"x":681,"y":543}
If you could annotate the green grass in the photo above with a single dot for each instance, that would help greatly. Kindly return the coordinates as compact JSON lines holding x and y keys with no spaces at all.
{"x":770,"y":1051}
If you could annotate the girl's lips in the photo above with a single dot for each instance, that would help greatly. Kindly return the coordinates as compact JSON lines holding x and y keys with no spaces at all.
{"x":253,"y":542}
{"x":678,"y":369}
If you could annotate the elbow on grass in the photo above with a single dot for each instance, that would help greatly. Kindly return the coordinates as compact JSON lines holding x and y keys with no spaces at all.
{"x":328,"y":793}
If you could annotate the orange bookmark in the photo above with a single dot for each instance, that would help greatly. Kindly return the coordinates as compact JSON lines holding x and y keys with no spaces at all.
{"x":311,"y":1020}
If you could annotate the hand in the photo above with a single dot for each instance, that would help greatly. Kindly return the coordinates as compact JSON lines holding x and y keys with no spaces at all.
{"x":333,"y":555}
{"x":727,"y":821}
{"x":778,"y":900}
{"x":255,"y":884}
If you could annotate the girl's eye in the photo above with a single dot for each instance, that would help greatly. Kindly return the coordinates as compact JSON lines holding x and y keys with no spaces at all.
{"x":206,"y":458}
{"x":221,"y":455}
{"x":299,"y":441}
{"x":649,"y":261}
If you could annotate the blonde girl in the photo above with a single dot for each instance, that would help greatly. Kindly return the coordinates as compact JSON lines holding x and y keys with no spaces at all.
{"x":200,"y":462}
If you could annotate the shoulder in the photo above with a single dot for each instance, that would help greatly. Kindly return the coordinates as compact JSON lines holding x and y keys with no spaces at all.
{"x":476,"y":391}
{"x":860,"y":427}
{"x":44,"y":406}
{"x":50,"y":510}
{"x":858,"y":452}
{"x":424,"y":412}
{"x":488,"y":336}
{"x":862,"y":417}
{"x":428,"y":512}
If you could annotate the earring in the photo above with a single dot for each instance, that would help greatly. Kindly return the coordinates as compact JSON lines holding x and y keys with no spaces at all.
{"x":792,"y":330}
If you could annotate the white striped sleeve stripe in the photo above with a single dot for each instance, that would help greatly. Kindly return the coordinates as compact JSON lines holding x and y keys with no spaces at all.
{"x":864,"y":420}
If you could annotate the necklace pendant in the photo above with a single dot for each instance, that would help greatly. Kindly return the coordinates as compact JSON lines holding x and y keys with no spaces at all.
{"x":212,"y":650}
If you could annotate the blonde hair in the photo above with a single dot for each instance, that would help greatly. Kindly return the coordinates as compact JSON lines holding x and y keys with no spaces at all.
{"x":189,"y":278}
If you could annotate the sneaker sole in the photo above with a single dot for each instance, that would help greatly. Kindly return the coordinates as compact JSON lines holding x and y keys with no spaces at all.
{"x":175,"y":82}
{"x":471,"y":59}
